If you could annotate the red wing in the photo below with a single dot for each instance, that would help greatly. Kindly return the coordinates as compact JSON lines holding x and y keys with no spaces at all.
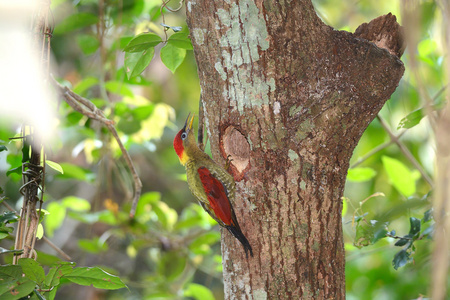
{"x":217,"y":196}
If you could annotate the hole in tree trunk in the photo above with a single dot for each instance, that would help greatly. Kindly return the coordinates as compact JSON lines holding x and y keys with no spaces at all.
{"x":235,"y":145}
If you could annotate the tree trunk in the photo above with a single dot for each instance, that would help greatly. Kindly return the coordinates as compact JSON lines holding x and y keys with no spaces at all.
{"x":288,"y":98}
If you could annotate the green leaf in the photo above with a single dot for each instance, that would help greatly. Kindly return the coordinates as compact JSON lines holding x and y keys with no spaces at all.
{"x":412,"y":119}
{"x":171,"y":264}
{"x":72,"y":171}
{"x":104,"y":216}
{"x":143,"y":42}
{"x":121,"y":109}
{"x":146,"y":201}
{"x":26,"y":152}
{"x":42,"y":213}
{"x":39,"y":231}
{"x":17,"y":170}
{"x":95,"y":277}
{"x":38,"y":295}
{"x":198,"y":292}
{"x":5,"y":231}
{"x":93,"y":246}
{"x":32,"y":270}
{"x":379,"y":233}
{"x":128,"y":126}
{"x":201,"y":245}
{"x":189,"y":222}
{"x":400,"y":176}
{"x":73,"y":118}
{"x":76,"y":21}
{"x":428,"y":216}
{"x":166,"y":215}
{"x":55,"y":166}
{"x":88,"y":43}
{"x":8,"y":217}
{"x":402,"y":242}
{"x":10,"y":272}
{"x":46,"y":259}
{"x":3,"y":148}
{"x":142,"y":112}
{"x":82,"y":86}
{"x":124,"y":41}
{"x":56,"y":217}
{"x":400,"y":259}
{"x":51,"y":295}
{"x":172,"y":56}
{"x":136,"y":62}
{"x":361,"y":174}
{"x":56,"y":272}
{"x":429,"y":231}
{"x":138,"y":80}
{"x":76,"y":203}
{"x":16,"y":289}
{"x":180,"y":40}
{"x":426,"y":47}
{"x":14,"y":159}
{"x":119,"y":88}
{"x":368,"y":233}
{"x":414,"y":230}
{"x":345,"y":201}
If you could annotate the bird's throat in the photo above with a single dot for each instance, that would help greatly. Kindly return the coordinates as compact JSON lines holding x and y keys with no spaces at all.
{"x":183,"y":158}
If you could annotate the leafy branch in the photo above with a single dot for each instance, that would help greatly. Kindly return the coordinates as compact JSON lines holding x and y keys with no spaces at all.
{"x":370,"y":232}
{"x":87,"y":108}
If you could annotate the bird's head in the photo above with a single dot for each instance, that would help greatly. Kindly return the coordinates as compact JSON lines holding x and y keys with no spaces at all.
{"x":184,"y":142}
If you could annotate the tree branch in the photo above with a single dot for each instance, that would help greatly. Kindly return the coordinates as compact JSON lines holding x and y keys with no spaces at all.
{"x":405,"y":151}
{"x":87,"y":108}
{"x":375,"y":150}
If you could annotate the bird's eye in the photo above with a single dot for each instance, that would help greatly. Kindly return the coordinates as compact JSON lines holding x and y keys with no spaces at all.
{"x":183,"y":135}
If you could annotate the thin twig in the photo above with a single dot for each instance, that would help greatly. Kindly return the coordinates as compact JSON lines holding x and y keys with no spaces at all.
{"x":57,"y":249}
{"x":87,"y":108}
{"x":136,"y":179}
{"x":374,"y":151}
{"x":172,"y":9}
{"x":405,"y":151}
{"x":164,"y":4}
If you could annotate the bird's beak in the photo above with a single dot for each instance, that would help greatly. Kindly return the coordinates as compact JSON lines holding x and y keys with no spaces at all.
{"x":188,"y":124}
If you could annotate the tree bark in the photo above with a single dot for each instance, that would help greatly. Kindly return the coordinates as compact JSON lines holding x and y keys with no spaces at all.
{"x":288,"y":97}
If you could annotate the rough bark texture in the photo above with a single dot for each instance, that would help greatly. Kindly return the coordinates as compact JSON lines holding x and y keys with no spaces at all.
{"x":288,"y":98}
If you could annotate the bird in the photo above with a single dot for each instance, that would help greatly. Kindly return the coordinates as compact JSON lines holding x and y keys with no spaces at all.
{"x":211,"y":185}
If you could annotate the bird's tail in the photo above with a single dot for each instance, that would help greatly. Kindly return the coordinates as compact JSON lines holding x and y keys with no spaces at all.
{"x":237,"y":233}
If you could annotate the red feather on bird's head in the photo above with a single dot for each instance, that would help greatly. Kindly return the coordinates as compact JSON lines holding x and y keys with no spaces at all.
{"x":179,"y":142}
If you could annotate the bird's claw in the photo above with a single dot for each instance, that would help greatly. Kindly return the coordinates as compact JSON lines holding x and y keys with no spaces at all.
{"x":228,"y":163}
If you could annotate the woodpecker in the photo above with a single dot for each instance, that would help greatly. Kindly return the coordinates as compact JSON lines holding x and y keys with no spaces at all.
{"x":213,"y":187}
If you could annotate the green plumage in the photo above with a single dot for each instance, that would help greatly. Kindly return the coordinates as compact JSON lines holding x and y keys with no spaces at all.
{"x":213,"y":187}
{"x":196,"y":185}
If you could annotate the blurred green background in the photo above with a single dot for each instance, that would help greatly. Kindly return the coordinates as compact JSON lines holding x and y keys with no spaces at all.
{"x":172,"y":250}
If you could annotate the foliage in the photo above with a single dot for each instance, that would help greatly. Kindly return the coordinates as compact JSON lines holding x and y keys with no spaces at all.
{"x":380,"y":263}
{"x":29,"y":277}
